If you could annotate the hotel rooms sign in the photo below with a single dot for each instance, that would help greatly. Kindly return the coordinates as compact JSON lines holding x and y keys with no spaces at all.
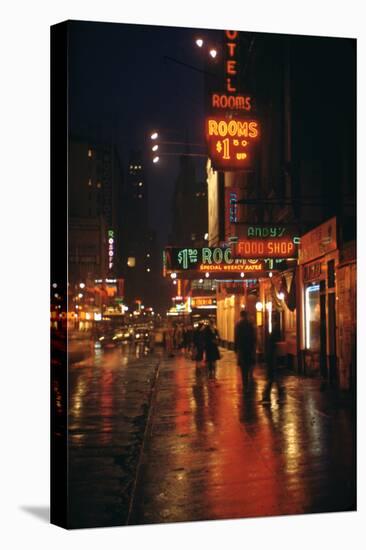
{"x":208,"y":260}
{"x":230,"y":136}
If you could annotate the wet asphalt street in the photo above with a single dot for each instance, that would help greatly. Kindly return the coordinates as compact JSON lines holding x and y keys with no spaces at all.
{"x":153,"y":439}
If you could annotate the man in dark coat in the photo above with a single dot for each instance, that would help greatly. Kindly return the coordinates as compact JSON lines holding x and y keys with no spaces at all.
{"x":245,"y":345}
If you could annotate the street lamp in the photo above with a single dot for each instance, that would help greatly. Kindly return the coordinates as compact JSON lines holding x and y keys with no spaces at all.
{"x":213,"y":53}
{"x":155,"y":147}
{"x":155,"y":160}
{"x":154,"y":135}
{"x":199,"y":42}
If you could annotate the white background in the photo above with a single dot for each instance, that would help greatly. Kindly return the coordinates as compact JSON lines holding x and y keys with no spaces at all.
{"x":24,"y":269}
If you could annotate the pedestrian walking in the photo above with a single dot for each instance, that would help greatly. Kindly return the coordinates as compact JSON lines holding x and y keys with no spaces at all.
{"x":198,"y":344}
{"x":169,"y":340}
{"x":245,"y":346}
{"x":273,"y":376}
{"x":211,"y":345}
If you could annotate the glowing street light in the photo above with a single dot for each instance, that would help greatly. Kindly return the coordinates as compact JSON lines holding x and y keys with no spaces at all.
{"x":155,"y":147}
{"x":82,"y":285}
{"x":155,"y":160}
{"x":199,"y":42}
{"x":173,"y":275}
{"x":213,"y":53}
{"x":154,"y":135}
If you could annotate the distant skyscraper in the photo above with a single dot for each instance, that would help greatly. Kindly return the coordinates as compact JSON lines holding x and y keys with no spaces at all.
{"x":95,"y":202}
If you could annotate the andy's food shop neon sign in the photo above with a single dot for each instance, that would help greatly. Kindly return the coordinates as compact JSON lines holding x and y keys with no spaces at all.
{"x":263,"y":248}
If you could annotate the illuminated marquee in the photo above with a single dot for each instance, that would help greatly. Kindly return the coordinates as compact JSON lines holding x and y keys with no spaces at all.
{"x":202,"y":301}
{"x":230,"y":142}
{"x":207,"y":259}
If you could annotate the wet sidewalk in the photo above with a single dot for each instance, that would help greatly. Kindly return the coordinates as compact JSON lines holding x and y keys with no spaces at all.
{"x":109,"y":404}
{"x":213,"y":451}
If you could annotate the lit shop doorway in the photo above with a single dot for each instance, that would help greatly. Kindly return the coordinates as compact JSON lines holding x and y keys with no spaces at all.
{"x":315,"y":330}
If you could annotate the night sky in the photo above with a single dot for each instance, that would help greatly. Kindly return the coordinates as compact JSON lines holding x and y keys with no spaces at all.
{"x":122,"y":86}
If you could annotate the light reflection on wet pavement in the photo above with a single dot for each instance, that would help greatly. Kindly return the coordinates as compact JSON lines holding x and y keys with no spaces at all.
{"x":215,"y":452}
{"x":211,"y":451}
{"x":108,"y":407}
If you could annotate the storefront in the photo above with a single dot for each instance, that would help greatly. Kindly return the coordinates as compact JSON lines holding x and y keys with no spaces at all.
{"x":318,"y":260}
{"x":278,"y":304}
{"x":346,"y":316}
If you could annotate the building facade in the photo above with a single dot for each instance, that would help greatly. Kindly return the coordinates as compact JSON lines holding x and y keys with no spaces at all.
{"x":302,"y":176}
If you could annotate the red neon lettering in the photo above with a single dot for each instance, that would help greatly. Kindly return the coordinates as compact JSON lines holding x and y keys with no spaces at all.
{"x":231,"y":34}
{"x":229,"y":87}
{"x":230,"y":66}
{"x":231,"y":46}
{"x":216,"y":100}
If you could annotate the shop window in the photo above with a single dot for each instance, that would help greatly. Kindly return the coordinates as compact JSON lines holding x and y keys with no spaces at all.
{"x":312,"y":317}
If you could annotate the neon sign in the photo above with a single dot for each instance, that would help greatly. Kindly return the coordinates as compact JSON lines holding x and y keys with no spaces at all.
{"x":232,"y":102}
{"x":231,"y":60}
{"x":110,"y":248}
{"x":228,"y":137}
{"x":233,"y":268}
{"x":183,"y":259}
{"x":233,"y":206}
{"x":203,"y":301}
{"x":263,"y":248}
{"x":229,"y":99}
{"x":229,"y":142}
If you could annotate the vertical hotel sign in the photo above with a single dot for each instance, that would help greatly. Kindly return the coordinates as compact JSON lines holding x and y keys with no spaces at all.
{"x":231,"y":131}
{"x":111,"y":249}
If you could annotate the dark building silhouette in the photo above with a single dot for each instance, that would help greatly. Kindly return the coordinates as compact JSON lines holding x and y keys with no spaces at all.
{"x":95,"y":207}
{"x":189,"y":206}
